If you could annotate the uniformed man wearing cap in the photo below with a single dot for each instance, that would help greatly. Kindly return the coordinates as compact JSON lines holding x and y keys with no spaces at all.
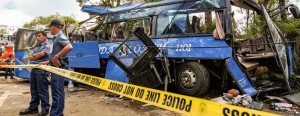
{"x":59,"y":47}
{"x":38,"y":78}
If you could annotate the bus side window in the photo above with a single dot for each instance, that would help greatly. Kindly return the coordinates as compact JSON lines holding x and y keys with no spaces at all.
{"x":202,"y":23}
{"x":144,"y":23}
{"x":124,"y":30}
{"x":93,"y":36}
{"x":119,"y":34}
{"x":198,"y":23}
{"x":168,"y":24}
{"x":107,"y":33}
{"x":115,"y":31}
{"x":100,"y":35}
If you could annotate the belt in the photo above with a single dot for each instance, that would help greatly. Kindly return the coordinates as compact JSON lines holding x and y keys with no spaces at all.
{"x":36,"y":69}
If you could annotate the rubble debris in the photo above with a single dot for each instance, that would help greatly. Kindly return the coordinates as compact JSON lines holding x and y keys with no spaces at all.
{"x":294,"y":98}
{"x":233,"y":97}
{"x":234,"y":92}
{"x":243,"y":100}
{"x":145,"y":105}
{"x":283,"y":104}
{"x":230,"y":94}
{"x":283,"y":107}
{"x":240,"y":100}
{"x":112,"y":95}
{"x":278,"y":99}
{"x":256,"y":105}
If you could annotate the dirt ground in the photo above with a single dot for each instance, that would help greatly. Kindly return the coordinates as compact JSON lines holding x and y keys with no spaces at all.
{"x":84,"y":101}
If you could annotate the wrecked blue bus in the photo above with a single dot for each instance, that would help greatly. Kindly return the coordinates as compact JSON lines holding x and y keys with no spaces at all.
{"x":183,"y":44}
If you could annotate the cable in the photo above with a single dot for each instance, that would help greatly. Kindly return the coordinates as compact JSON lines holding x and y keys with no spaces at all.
{"x":257,"y":95}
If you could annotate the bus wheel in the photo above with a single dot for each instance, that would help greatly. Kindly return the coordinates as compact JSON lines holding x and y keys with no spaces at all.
{"x":192,"y":79}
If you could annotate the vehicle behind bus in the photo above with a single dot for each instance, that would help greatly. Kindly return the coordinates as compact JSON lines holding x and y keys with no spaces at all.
{"x":24,"y":38}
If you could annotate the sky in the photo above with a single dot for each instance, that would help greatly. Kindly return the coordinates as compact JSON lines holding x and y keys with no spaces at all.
{"x":17,"y":12}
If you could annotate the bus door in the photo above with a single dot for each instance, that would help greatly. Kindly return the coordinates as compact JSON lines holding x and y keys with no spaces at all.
{"x":142,"y":72}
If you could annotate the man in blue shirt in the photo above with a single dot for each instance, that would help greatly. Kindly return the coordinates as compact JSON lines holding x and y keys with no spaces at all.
{"x":38,"y":80}
{"x":8,"y":70}
{"x":59,"y":47}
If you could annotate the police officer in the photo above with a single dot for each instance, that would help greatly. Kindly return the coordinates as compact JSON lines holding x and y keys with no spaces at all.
{"x":38,"y":80}
{"x":59,"y":47}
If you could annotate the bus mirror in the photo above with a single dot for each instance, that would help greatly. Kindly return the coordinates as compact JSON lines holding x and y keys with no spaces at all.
{"x":295,"y":11}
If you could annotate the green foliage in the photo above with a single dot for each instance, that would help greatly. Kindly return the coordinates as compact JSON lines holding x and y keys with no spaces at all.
{"x":289,"y":27}
{"x":81,"y":2}
{"x":41,"y":22}
{"x":273,"y":4}
{"x":256,"y":29}
{"x":257,"y":25}
{"x":2,"y":31}
{"x":108,"y":3}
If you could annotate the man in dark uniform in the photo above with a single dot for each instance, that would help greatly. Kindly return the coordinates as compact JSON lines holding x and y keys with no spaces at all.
{"x":38,"y":79}
{"x":59,"y":47}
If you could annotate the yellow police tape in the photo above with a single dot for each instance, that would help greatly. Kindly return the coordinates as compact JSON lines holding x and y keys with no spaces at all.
{"x":175,"y":102}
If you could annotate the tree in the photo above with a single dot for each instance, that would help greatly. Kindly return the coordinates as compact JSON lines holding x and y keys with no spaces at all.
{"x":266,"y":3}
{"x":283,"y":14}
{"x":2,"y":31}
{"x":41,"y":22}
{"x":208,"y":22}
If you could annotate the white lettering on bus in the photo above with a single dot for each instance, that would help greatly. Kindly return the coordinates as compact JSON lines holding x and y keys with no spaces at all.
{"x":141,"y":48}
{"x":183,"y":47}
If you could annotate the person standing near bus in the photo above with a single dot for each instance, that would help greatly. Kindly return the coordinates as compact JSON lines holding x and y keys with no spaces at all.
{"x":59,"y":47}
{"x":38,"y":80}
{"x":8,"y":70}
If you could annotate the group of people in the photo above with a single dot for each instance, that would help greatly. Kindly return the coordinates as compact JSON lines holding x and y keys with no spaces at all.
{"x":48,"y":52}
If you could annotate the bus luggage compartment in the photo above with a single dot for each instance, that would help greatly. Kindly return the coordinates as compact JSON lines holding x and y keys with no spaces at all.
{"x":84,"y":55}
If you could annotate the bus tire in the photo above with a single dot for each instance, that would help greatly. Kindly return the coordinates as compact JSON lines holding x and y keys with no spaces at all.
{"x":192,"y":79}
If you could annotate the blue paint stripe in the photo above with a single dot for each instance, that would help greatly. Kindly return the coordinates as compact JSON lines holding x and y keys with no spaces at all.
{"x":291,"y":59}
{"x":240,"y":78}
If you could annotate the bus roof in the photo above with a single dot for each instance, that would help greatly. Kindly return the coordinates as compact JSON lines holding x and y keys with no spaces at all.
{"x":105,"y":10}
{"x":248,"y":4}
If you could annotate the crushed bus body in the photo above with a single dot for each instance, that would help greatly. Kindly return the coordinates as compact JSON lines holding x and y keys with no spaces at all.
{"x":172,"y":43}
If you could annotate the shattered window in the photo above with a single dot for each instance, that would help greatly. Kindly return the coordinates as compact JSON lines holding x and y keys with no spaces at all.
{"x":199,"y":23}
{"x":171,"y":25}
{"x":122,"y":30}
